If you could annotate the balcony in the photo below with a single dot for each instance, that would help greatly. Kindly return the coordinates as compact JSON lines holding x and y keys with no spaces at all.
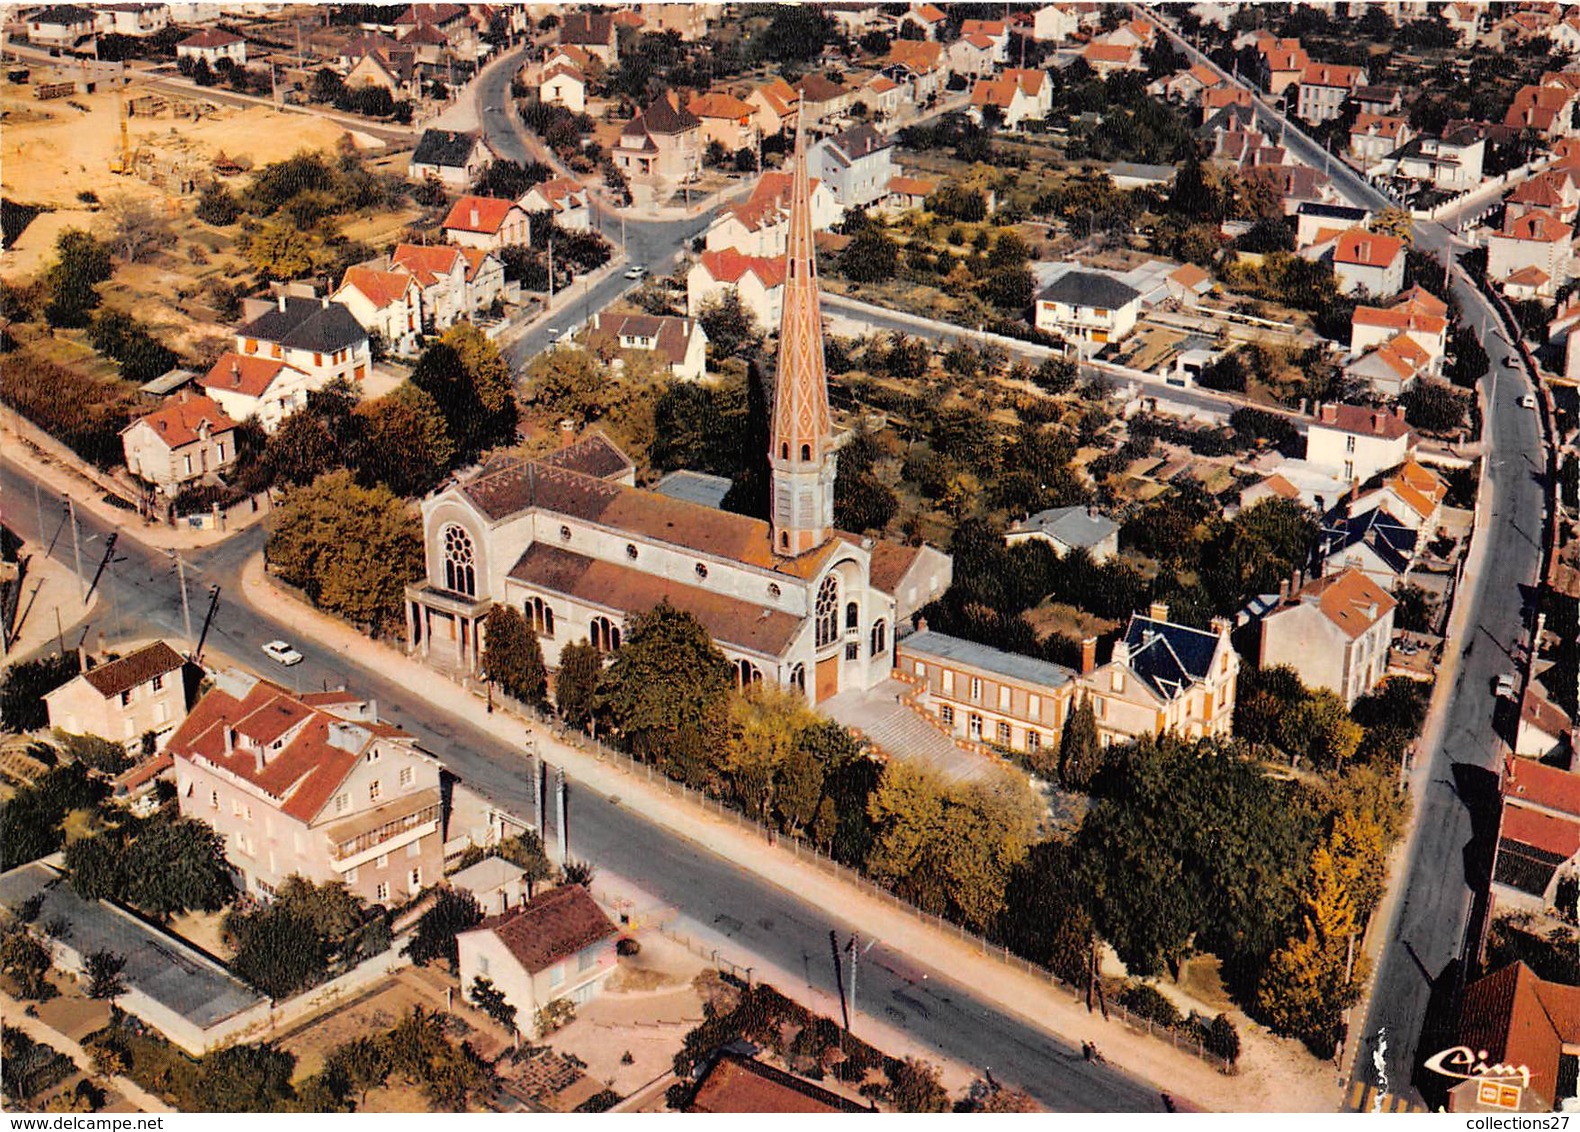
{"x":368,"y":831}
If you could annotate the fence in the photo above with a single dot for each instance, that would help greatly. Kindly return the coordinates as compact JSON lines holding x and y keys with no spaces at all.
{"x":804,"y":851}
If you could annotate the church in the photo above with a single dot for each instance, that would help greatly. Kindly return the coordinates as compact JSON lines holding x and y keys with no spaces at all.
{"x":570,"y":541}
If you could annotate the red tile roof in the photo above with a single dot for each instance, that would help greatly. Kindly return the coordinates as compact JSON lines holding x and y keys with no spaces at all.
{"x":245,"y":374}
{"x":717,"y":104}
{"x":919,"y":55}
{"x":425,"y":263}
{"x":133,"y":669}
{"x":1364,"y":420}
{"x":738,"y":1084}
{"x":1367,"y":249}
{"x":1541,"y":785}
{"x":210,"y":38}
{"x":1350,"y":600}
{"x":490,"y":214}
{"x":1521,"y":1019}
{"x":1110,"y":53}
{"x":178,"y":422}
{"x":1330,"y":74}
{"x":381,"y":288}
{"x":729,"y":266}
{"x":1547,"y":832}
{"x":1539,"y":226}
{"x":912,"y":186}
{"x":552,"y":926}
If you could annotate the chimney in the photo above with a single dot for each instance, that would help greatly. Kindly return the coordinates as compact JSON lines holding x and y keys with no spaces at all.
{"x":1221,"y":626}
{"x":1398,"y":412}
{"x":567,"y":432}
{"x":1328,"y":413}
{"x":258,"y":759}
{"x":235,"y":373}
{"x":183,"y":395}
{"x":1355,"y":489}
{"x":279,"y":298}
{"x":1088,"y":654}
{"x":1283,"y":591}
{"x":1158,"y":611}
{"x":475,"y":219}
{"x":323,"y":300}
{"x":1371,"y":611}
{"x":921,"y":625}
{"x":1121,"y":653}
{"x":82,"y":660}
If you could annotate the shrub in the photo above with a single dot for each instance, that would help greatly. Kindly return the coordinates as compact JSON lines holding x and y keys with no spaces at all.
{"x":1149,"y":1002}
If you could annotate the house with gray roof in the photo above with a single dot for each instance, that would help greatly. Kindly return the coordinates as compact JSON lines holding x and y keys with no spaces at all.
{"x":856,"y":165}
{"x":1069,"y":528}
{"x":321,"y":338}
{"x":454,"y":158}
{"x":1089,"y":309}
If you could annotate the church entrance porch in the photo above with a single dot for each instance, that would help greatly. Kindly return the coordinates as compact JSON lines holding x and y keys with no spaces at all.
{"x":444,"y":628}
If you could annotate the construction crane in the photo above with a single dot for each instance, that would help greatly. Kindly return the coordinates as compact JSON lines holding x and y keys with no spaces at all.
{"x":122,"y":165}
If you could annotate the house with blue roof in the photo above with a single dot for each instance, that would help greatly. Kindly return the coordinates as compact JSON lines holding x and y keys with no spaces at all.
{"x":1164,"y":677}
{"x":1373,"y":542}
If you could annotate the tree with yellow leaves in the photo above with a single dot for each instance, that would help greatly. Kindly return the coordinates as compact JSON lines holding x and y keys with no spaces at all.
{"x":1309,"y":982}
{"x":766,"y":724}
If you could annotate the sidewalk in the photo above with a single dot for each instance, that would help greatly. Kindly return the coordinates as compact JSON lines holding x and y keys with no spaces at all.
{"x":39,"y":1032}
{"x":50,"y":608}
{"x":88,"y":497}
{"x":1011,"y":990}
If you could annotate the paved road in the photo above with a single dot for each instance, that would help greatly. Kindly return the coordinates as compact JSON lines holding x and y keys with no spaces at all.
{"x":657,"y":245}
{"x":1419,"y":975}
{"x":749,"y":917}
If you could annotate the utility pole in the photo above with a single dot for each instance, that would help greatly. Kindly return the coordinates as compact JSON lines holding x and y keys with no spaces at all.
{"x":76,"y":550}
{"x":551,"y":266}
{"x":208,"y":619}
{"x":186,"y":609}
{"x":839,"y":979}
{"x":559,"y":816}
{"x":38,"y":502}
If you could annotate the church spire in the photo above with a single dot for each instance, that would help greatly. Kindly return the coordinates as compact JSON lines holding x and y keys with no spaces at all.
{"x":801,"y":450}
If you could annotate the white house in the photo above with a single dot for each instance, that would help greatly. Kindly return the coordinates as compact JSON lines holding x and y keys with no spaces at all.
{"x":1324,"y":89}
{"x":488,"y":223}
{"x":1369,"y":261}
{"x":1335,"y":632}
{"x":559,"y":945}
{"x":183,"y":442}
{"x":134,"y":20}
{"x":1088,"y":308}
{"x":563,"y":84}
{"x":456,"y":283}
{"x":679,"y":344}
{"x":123,"y":700}
{"x":453,"y":158}
{"x":1356,"y":441}
{"x":388,"y":303}
{"x":563,"y":199}
{"x":1452,"y":162}
{"x":62,"y":25}
{"x":320,"y":338}
{"x":1374,"y":136}
{"x":1054,"y":23}
{"x":1535,"y":240}
{"x":1017,"y":94}
{"x":855,"y":165}
{"x":1069,"y":528}
{"x":758,"y":225}
{"x":758,"y":280}
{"x":1418,"y":315}
{"x":268,"y":389}
{"x":212,"y":46}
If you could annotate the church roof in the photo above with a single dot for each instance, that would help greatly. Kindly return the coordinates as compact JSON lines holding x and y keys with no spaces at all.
{"x":592,"y":455}
{"x":509,"y":486}
{"x":729,"y":620}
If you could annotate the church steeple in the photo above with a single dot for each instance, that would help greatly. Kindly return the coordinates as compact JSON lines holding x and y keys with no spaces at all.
{"x":801,"y":448}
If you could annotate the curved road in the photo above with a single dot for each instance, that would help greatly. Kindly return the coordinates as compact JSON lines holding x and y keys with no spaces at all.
{"x":1414,"y":993}
{"x":746,"y":916}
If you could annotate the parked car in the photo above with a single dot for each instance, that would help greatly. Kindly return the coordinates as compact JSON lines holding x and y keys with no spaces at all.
{"x":1528,"y":401}
{"x":1511,"y":361}
{"x":636,"y":272}
{"x":283,"y":653}
{"x":554,"y":334}
{"x":1505,"y":689}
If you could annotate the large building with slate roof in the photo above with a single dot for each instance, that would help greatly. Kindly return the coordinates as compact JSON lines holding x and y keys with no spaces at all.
{"x":568,"y":541}
{"x":320,"y":338}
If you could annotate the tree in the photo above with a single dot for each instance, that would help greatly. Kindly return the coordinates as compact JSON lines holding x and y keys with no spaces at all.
{"x":81,"y":263}
{"x":217,"y":205}
{"x":407,"y":445}
{"x":469,"y":381}
{"x":1395,"y":222}
{"x":492,"y":1002}
{"x":871,"y":256}
{"x":512,"y":657}
{"x":26,"y":683}
{"x":104,"y":974}
{"x":666,"y":691}
{"x":300,"y":450}
{"x":732,"y":330}
{"x":277,"y":952}
{"x":1322,"y":731}
{"x":351,"y":549}
{"x":97,"y":867}
{"x":766,"y":723}
{"x":453,"y":911}
{"x":134,"y":227}
{"x":576,"y":682}
{"x":1043,"y":918}
{"x":1080,"y":754}
{"x":1434,"y":406}
{"x":179,"y":866}
{"x":245,"y":1078}
{"x":142,"y":357}
{"x":915,"y":1086}
{"x":27,"y":961}
{"x":279,"y":251}
{"x":359,"y":1064}
{"x":1313,"y":979}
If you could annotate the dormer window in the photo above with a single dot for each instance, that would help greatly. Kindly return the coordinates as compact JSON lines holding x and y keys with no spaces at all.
{"x":565,"y":534}
{"x":702,"y":570}
{"x":630,"y":551}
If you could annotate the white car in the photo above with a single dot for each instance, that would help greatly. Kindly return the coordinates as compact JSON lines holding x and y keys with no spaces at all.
{"x":1528,"y":401}
{"x":283,"y":653}
{"x":1505,"y":688}
{"x":637,"y":272}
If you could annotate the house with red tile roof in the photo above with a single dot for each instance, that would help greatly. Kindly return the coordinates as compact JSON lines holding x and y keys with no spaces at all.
{"x":558,"y":945}
{"x":735,"y":1083}
{"x":1356,"y":442}
{"x":1549,"y":110}
{"x":1325,"y":88}
{"x":455,"y":283}
{"x":324,"y":790}
{"x":971,"y":56}
{"x":593,"y":32}
{"x":1539,"y":835}
{"x":759,"y":225}
{"x":1281,"y":63}
{"x":490,"y":223}
{"x":1016,"y":93}
{"x":1537,"y":240}
{"x":929,"y":17}
{"x":1335,"y":631}
{"x":564,"y":199}
{"x":1544,"y":729}
{"x":1423,"y":322}
{"x":907,"y":193}
{"x":776,"y":104}
{"x":386,"y":303}
{"x":1107,"y":58}
{"x":122,"y":700}
{"x":1554,"y":192}
{"x":1375,"y":136}
{"x":267,"y":389}
{"x":661,"y":147}
{"x":1525,"y":1027}
{"x":1412,"y":494}
{"x":1390,"y":369}
{"x":883,"y":97}
{"x":918,"y":66}
{"x":1188,"y":85}
{"x":730,"y":121}
{"x":563,"y":83}
{"x":678,"y":345}
{"x":757,"y":280}
{"x":187,"y":440}
{"x":1369,"y":261}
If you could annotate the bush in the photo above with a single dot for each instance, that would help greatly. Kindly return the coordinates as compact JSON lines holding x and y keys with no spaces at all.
{"x":102,"y":755}
{"x":1148,"y":1002}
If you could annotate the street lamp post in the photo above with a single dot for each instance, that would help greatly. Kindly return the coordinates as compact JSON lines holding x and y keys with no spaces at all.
{"x":76,"y":550}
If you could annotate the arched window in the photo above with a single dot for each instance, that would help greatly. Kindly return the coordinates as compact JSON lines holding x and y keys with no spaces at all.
{"x":784,"y":451}
{"x":852,"y":616}
{"x":827,"y":611}
{"x":460,"y":572}
{"x":806,"y":452}
{"x":604,"y":634}
{"x":784,"y":540}
{"x":541,"y":616}
{"x":880,"y":637}
{"x":747,"y":673}
{"x":798,"y":678}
